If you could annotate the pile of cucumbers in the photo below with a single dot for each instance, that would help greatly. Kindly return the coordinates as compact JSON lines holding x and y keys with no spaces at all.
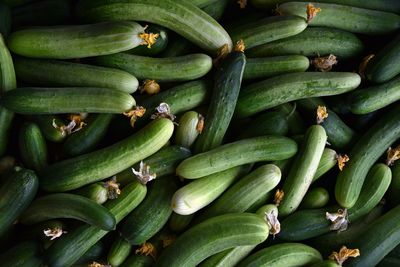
{"x":212,"y":133}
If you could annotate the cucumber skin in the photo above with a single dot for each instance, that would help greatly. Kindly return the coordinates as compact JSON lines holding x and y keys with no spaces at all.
{"x":293,"y":86}
{"x":32,"y":147}
{"x":95,"y":166}
{"x":157,"y":48}
{"x":6,"y":118}
{"x":315,"y":198}
{"x":96,"y":192}
{"x":119,"y":251}
{"x":228,"y":258}
{"x":212,"y":236}
{"x":24,"y":254}
{"x":187,"y":132}
{"x":364,"y":154}
{"x":267,"y":123}
{"x":327,"y":162}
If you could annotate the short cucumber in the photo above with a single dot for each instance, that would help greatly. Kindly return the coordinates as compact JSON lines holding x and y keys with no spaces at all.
{"x":62,"y":73}
{"x":313,"y":41}
{"x":119,"y":251}
{"x":264,"y":148}
{"x":183,"y":68}
{"x":5,"y":19}
{"x":212,"y":236}
{"x":88,"y":168}
{"x":178,"y":223}
{"x":37,"y":100}
{"x":281,"y":89}
{"x":182,"y":17}
{"x":76,"y":41}
{"x":285,"y":254}
{"x":327,"y":162}
{"x":267,"y":123}
{"x":46,"y":125}
{"x":189,"y":128}
{"x":25,"y":254}
{"x":367,"y":150}
{"x":315,"y":198}
{"x":155,"y":49}
{"x":96,"y":192}
{"x":32,"y":146}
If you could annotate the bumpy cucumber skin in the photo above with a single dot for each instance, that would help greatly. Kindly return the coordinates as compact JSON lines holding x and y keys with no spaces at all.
{"x":268,"y":123}
{"x":364,"y":154}
{"x":33,"y":147}
{"x":228,"y":258}
{"x":119,"y":251}
{"x":315,"y":198}
{"x":187,"y":130}
{"x":212,"y":236}
{"x":45,"y":123}
{"x":95,"y":166}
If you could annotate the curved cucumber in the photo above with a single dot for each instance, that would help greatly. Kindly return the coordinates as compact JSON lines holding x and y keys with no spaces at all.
{"x":327,"y":162}
{"x":288,"y":87}
{"x":228,"y":258}
{"x":32,"y":147}
{"x":36,"y":100}
{"x":264,"y":148}
{"x":315,"y":198}
{"x":267,"y":123}
{"x":45,"y":122}
{"x":25,"y":254}
{"x":188,"y":129}
{"x":158,"y":47}
{"x":97,"y":192}
{"x":119,"y":251}
{"x":95,"y":166}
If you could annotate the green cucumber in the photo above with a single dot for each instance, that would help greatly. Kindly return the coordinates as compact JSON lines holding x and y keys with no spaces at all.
{"x":96,"y":192}
{"x":367,"y":150}
{"x":228,"y":258}
{"x":389,"y":262}
{"x":266,"y":67}
{"x":68,"y":249}
{"x":76,"y":41}
{"x":315,"y":198}
{"x":281,"y":89}
{"x":25,"y":254}
{"x":198,"y":194}
{"x":5,"y":19}
{"x":283,"y":255}
{"x":189,"y":128}
{"x":94,"y":253}
{"x":216,"y":9}
{"x":95,"y":166}
{"x":182,"y":17}
{"x":17,"y":191}
{"x":375,"y":97}
{"x":327,"y":162}
{"x":46,"y":124}
{"x":37,"y":100}
{"x":183,"y":68}
{"x":177,"y":46}
{"x":33,"y":148}
{"x":138,"y":261}
{"x":352,"y":19}
{"x":152,"y":214}
{"x":263,"y":148}
{"x":178,"y":223}
{"x":119,"y":251}
{"x":212,"y":236}
{"x":63,"y":73}
{"x":394,"y":189}
{"x":72,"y":206}
{"x":326,"y":263}
{"x":228,"y":79}
{"x":86,"y":139}
{"x":267,"y":30}
{"x":267,"y":123}
{"x":158,"y":47}
{"x":303,"y":169}
{"x":383,"y":66}
{"x":313,"y":41}
{"x":296,"y":123}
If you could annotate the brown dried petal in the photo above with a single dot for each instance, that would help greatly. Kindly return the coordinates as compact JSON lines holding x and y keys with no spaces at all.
{"x":344,"y":254}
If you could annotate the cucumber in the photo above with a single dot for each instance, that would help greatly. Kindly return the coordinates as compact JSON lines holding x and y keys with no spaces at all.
{"x":286,"y":254}
{"x":313,"y":41}
{"x":158,"y":47}
{"x":72,"y":206}
{"x":5,"y":19}
{"x":95,"y":166}
{"x":138,"y":261}
{"x":94,"y":253}
{"x":178,"y":223}
{"x":62,"y":73}
{"x":45,"y":122}
{"x":68,"y":249}
{"x":228,"y":79}
{"x":228,"y":258}
{"x":33,"y":148}
{"x":212,"y":236}
{"x":152,"y":214}
{"x":315,"y":198}
{"x":281,"y":89}
{"x":216,"y":9}
{"x":25,"y":254}
{"x":177,"y":46}
{"x":352,"y":19}
{"x":183,"y":68}
{"x":36,"y":100}
{"x":264,"y":148}
{"x":367,"y":150}
{"x":119,"y":251}
{"x":198,"y":194}
{"x":96,"y":192}
{"x":296,"y":123}
{"x":375,"y":97}
{"x":86,"y":139}
{"x":76,"y":41}
{"x":267,"y":123}
{"x":326,"y":263}
{"x":17,"y":191}
{"x":383,"y":66}
{"x":265,"y":67}
{"x":327,"y":162}
{"x":389,"y":262}
{"x":182,"y":17}
{"x":394,"y":189}
{"x":189,"y":128}
{"x":303,"y":169}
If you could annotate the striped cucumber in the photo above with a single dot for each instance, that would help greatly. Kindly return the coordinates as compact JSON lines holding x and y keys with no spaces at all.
{"x":281,"y":89}
{"x":178,"y":223}
{"x":327,"y":162}
{"x":267,"y":123}
{"x":24,"y":254}
{"x":46,"y":124}
{"x":315,"y":198}
{"x":119,"y":251}
{"x":189,"y":127}
{"x":98,"y":192}
{"x":32,"y":146}
{"x":95,"y":166}
{"x":296,"y":123}
{"x":159,"y":45}
{"x":228,"y":258}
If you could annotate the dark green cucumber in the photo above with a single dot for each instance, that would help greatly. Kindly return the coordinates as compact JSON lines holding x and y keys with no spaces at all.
{"x":228,"y":258}
{"x":293,"y":86}
{"x":367,"y":150}
{"x":178,"y":223}
{"x":394,"y":189}
{"x":76,"y":41}
{"x":383,"y":66}
{"x":138,"y":261}
{"x":189,"y":128}
{"x":119,"y":251}
{"x":25,"y":254}
{"x":182,"y":17}
{"x":326,"y":263}
{"x":5,"y":19}
{"x":32,"y":147}
{"x":212,"y":236}
{"x":183,"y":68}
{"x":352,"y":19}
{"x":263,"y":148}
{"x":72,"y":206}
{"x":94,"y":253}
{"x":97,"y":192}
{"x":155,"y":49}
{"x":68,"y":249}
{"x":177,"y":46}
{"x":86,"y":139}
{"x":327,"y":162}
{"x":375,"y":97}
{"x":315,"y":198}
{"x":63,"y":73}
{"x":267,"y":123}
{"x":216,"y":9}
{"x":95,"y":166}
{"x":296,"y":122}
{"x":17,"y":191}
{"x":46,"y":124}
{"x":266,"y":67}
{"x":313,"y":41}
{"x":152,"y":214}
{"x":389,"y":262}
{"x":37,"y":100}
{"x":228,"y":79}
